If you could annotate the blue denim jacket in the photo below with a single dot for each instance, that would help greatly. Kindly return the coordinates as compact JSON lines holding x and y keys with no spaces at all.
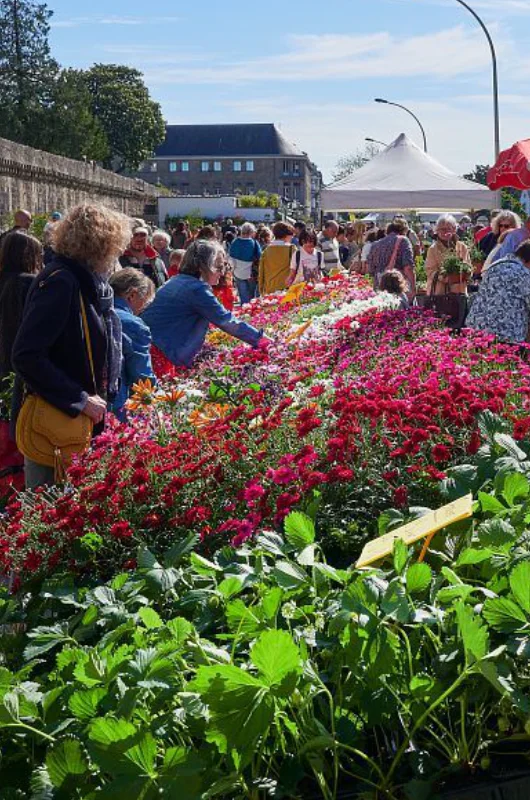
{"x":180,"y":314}
{"x":136,"y":354}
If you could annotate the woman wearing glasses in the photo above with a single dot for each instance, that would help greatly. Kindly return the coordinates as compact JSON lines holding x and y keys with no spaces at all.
{"x":184,"y":307}
{"x":503,"y":224}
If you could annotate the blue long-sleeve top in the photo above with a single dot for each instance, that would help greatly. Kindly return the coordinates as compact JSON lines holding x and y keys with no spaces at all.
{"x":136,"y":346}
{"x":180,"y":314}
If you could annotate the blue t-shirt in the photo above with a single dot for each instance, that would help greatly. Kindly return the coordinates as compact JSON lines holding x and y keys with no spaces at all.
{"x":245,"y":249}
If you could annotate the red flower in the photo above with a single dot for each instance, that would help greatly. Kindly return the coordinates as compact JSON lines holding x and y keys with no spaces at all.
{"x":401,"y":496}
{"x":121,"y":530}
{"x":440,"y":453}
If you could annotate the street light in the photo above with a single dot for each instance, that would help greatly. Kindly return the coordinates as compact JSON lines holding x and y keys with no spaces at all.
{"x":389,"y":103}
{"x":496,"y":116}
{"x":374,"y":141}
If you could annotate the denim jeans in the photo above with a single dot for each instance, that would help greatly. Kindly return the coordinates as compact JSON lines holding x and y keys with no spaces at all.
{"x":37,"y":474}
{"x":247,"y":290}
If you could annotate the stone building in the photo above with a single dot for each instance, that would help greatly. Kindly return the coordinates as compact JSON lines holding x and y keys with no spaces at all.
{"x":233,"y":159}
{"x":42,"y":182}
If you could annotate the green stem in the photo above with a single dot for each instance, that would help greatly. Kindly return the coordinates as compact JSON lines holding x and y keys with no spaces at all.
{"x":426,"y":714}
{"x":30,"y":729}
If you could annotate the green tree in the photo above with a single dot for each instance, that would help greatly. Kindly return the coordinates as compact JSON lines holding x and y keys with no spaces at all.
{"x":70,"y":128}
{"x":348,"y":164}
{"x":132,"y":121}
{"x":27,"y":70}
{"x":479,"y":174}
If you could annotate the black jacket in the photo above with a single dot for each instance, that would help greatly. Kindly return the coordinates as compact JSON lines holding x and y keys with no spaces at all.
{"x":13,"y":292}
{"x":50,"y":352}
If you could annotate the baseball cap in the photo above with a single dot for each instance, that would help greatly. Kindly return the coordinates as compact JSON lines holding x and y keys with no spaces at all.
{"x":140,"y":229}
{"x":57,"y":215}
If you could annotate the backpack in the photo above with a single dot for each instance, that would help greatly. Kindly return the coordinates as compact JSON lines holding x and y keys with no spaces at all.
{"x":298,"y":259}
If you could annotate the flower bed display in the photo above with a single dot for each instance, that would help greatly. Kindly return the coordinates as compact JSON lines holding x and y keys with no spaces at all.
{"x":142,"y":656}
{"x":356,"y":408}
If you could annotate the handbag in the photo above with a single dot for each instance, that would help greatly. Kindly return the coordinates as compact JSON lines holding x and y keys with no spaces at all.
{"x":449,"y":305}
{"x":47,"y":435}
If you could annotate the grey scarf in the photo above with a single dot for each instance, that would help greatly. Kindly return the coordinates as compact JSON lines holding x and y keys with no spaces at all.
{"x":114,"y":334}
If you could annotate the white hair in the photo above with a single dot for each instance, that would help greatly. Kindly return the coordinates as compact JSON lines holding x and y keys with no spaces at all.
{"x":162,"y":235}
{"x":248,"y":229}
{"x":446,"y":219}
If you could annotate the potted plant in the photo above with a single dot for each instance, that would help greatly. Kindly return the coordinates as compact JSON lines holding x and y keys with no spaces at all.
{"x":477,"y":259}
{"x":455,"y":270}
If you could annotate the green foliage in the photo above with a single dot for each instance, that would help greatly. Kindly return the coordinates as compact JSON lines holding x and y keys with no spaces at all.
{"x":348,"y":164}
{"x":261,"y":199}
{"x":453,"y":265}
{"x":131,"y":121}
{"x":27,"y":68}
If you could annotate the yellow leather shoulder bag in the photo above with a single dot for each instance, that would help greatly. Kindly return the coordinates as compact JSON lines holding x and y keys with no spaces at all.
{"x":47,"y":435}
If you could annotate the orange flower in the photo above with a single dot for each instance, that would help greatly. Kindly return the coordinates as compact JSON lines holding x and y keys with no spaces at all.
{"x":143,"y":395}
{"x":298,"y":332}
{"x":172,"y":396}
{"x":201,"y":418}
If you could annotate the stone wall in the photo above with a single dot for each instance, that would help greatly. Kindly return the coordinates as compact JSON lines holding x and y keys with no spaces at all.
{"x":42,"y":182}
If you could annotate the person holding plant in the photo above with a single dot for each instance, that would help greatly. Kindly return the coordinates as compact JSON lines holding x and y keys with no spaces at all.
{"x":502,"y":304}
{"x":185,"y":306}
{"x":133,"y":291}
{"x":448,"y":262}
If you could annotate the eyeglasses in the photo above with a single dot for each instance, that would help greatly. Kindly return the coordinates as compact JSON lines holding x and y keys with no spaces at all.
{"x":505,"y":225}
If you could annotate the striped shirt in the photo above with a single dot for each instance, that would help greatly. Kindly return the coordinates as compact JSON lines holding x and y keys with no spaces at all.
{"x":330,"y":249}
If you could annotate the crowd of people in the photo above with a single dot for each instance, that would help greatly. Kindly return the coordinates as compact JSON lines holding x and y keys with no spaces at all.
{"x":105,"y":301}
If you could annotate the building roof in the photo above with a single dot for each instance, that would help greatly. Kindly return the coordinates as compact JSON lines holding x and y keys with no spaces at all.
{"x":262,"y":139}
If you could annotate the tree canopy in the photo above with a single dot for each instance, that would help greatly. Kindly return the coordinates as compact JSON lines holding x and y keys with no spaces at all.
{"x":348,"y":164}
{"x":103,"y":114}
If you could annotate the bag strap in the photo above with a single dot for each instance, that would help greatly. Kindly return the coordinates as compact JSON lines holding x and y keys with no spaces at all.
{"x":298,"y":258}
{"x":88,"y":341}
{"x":319,"y":258}
{"x":393,"y":258}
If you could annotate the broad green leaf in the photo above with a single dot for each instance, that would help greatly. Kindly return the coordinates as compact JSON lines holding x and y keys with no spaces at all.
{"x":143,"y":755}
{"x":11,"y":703}
{"x":496,"y":533}
{"x":299,"y":530}
{"x":472,"y":555}
{"x":421,"y":686}
{"x":181,"y":630}
{"x":65,"y":759}
{"x":173,"y":556}
{"x":164,"y":579}
{"x":515,"y":485}
{"x":44,"y":638}
{"x":389,"y":519}
{"x":510,"y":445}
{"x":241,"y":707}
{"x":336,"y":575}
{"x":230,"y":587}
{"x":203,"y":566}
{"x":275,"y":655}
{"x":400,"y":555}
{"x":520,"y":584}
{"x":107,"y":731}
{"x":488,"y":502}
{"x":150,"y":618}
{"x":503,"y":614}
{"x":242,"y":618}
{"x":83,"y":704}
{"x":474,"y":634}
{"x":40,"y":785}
{"x":419,"y":578}
{"x":288,"y":575}
{"x":271,"y":602}
{"x":307,"y":557}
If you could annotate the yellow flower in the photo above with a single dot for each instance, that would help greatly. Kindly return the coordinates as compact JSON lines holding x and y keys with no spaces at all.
{"x":143,"y":395}
{"x":201,"y":418}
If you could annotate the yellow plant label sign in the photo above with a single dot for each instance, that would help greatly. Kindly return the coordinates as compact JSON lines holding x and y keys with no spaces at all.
{"x":417,"y":529}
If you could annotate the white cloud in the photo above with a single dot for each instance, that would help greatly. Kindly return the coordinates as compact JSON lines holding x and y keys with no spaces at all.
{"x":444,"y":54}
{"x":76,"y":22}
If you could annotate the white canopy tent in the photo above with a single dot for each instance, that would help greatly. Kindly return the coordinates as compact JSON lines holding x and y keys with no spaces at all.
{"x":404,"y":178}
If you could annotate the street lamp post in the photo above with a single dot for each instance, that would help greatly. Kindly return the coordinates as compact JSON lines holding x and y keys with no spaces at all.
{"x":374,"y":141}
{"x":496,"y":115}
{"x":389,"y":103}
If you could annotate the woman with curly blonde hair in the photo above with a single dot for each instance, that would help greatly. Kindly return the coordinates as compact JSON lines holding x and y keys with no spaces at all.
{"x":68,"y":348}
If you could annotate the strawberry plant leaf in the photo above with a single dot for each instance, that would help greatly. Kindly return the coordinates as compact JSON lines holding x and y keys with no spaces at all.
{"x":503,"y":614}
{"x":65,"y":759}
{"x":520,"y":584}
{"x":474,"y":634}
{"x":299,"y":530}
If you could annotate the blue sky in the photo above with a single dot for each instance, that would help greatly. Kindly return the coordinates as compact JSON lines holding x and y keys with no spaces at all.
{"x":314,"y":69}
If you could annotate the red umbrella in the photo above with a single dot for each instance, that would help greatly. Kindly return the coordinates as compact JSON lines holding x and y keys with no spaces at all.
{"x":512,"y":168}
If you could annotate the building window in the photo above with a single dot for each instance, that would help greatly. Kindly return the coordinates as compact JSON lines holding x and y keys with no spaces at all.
{"x":153,"y":166}
{"x":237,"y":166}
{"x":296,"y":168}
{"x":185,"y":166}
{"x":250,"y":166}
{"x":286,"y":167}
{"x":286,"y":191}
{"x":217,"y":166}
{"x":205,"y":166}
{"x":172,"y":166}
